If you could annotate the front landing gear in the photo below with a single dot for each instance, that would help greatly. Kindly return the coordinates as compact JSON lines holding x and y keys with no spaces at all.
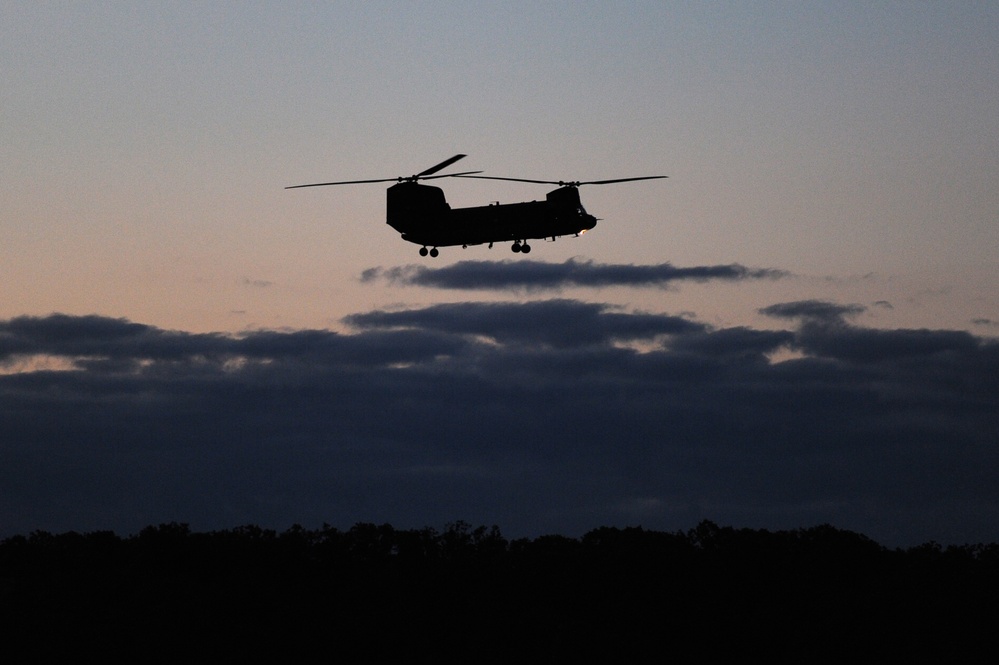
{"x":521,"y":247}
{"x":433,"y":252}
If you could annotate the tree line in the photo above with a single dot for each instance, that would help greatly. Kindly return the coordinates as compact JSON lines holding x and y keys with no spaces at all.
{"x":468,"y":593}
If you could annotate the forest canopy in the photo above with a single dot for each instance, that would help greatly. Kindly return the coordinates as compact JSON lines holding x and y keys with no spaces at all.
{"x":376,"y":591}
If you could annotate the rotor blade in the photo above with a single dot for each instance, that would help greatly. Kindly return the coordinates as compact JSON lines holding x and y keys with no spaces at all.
{"x":344,"y":182}
{"x":569,"y":183}
{"x":463,"y":174}
{"x":607,"y":182}
{"x":492,"y":177}
{"x":399,"y":179}
{"x":444,"y":164}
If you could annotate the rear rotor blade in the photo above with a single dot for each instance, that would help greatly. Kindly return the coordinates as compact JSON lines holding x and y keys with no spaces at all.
{"x":607,"y":182}
{"x":438,"y":167}
{"x":422,"y":175}
{"x":344,"y":182}
{"x":492,"y":177}
{"x":463,"y":174}
{"x":399,"y":179}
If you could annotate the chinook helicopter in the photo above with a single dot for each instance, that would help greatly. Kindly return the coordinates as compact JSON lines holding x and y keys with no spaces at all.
{"x":422,"y":215}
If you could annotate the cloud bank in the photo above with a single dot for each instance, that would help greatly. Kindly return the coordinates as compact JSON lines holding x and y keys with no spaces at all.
{"x":544,"y":276}
{"x":538,"y":417}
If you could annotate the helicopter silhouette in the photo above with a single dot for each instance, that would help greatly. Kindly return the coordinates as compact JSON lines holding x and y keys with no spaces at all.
{"x":422,"y":215}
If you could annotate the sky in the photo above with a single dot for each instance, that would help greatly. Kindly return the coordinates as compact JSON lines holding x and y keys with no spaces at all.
{"x":799,"y":326}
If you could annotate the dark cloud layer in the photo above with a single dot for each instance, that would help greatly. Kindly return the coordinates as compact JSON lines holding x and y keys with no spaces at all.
{"x":542,"y":276}
{"x":814,"y":310}
{"x":555,"y":322}
{"x":540,"y":417}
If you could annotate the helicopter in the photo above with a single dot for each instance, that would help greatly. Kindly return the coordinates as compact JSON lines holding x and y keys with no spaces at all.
{"x":422,"y":215}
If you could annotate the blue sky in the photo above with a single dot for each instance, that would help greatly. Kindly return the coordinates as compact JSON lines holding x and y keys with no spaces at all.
{"x":837,"y":156}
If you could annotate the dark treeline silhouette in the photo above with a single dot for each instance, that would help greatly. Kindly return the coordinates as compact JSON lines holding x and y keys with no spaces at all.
{"x":469,"y":594}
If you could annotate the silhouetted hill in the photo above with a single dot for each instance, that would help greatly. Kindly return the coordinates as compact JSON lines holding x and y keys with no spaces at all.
{"x":469,"y":594}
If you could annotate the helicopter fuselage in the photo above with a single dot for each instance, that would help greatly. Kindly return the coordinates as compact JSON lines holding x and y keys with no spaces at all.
{"x":422,"y":215}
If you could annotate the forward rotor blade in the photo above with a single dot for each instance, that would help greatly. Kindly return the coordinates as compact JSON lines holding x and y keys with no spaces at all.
{"x":568,"y":183}
{"x":438,"y":167}
{"x":344,"y":182}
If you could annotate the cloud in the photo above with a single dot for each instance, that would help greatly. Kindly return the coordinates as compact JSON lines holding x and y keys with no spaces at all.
{"x":867,"y":345}
{"x":813,"y":310}
{"x":560,"y":323}
{"x":531,"y":416}
{"x":824,"y":332}
{"x":542,"y":276}
{"x":734,"y":343}
{"x":81,"y":340}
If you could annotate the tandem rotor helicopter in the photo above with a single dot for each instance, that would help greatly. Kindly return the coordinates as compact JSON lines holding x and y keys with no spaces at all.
{"x":422,"y":215}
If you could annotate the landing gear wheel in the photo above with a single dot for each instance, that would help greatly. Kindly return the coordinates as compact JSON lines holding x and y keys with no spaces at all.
{"x":423,"y":251}
{"x":434,"y":253}
{"x":516,"y":247}
{"x":525,"y":248}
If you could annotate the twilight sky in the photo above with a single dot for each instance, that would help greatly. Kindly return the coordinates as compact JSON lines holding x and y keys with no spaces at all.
{"x":799,"y":326}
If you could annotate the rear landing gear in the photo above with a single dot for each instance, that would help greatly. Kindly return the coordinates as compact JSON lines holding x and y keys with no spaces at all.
{"x":433,"y":252}
{"x":521,"y":247}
